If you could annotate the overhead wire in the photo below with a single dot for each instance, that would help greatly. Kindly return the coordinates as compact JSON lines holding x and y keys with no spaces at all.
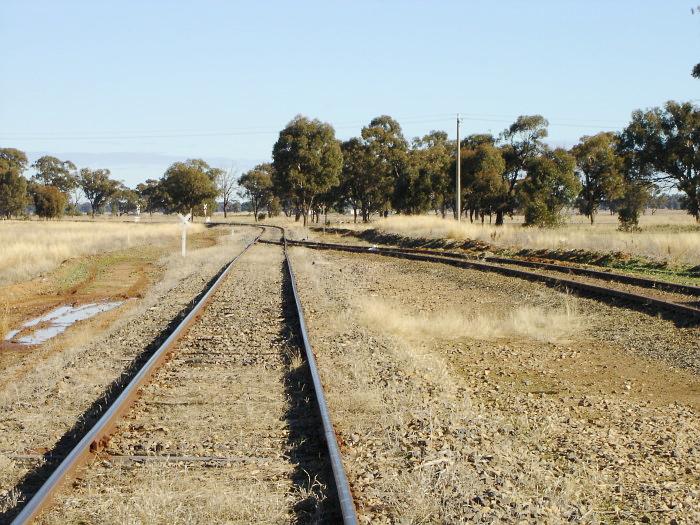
{"x":261,"y":130}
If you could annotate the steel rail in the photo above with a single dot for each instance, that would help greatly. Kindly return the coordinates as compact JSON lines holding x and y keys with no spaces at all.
{"x":97,"y":435}
{"x":644,"y":282}
{"x":345,"y":499}
{"x":598,"y":290}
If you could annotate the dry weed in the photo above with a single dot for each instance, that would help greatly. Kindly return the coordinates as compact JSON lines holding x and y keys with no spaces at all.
{"x":31,"y":248}
{"x":533,"y":322}
{"x":674,"y":246}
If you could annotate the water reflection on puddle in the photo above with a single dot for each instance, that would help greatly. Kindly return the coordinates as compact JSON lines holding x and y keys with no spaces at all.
{"x":57,"y":321}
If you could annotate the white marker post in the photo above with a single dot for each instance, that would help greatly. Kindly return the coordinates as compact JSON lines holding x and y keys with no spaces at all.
{"x":138,"y":213}
{"x":206,"y":217}
{"x":185,"y":223}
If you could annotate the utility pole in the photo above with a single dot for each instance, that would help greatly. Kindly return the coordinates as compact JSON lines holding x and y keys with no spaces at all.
{"x":458,"y":183}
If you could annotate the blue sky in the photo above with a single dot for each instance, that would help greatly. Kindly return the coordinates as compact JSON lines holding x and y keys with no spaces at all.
{"x":135,"y":85}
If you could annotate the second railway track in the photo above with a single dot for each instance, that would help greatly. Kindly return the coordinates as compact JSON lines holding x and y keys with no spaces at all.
{"x":681,"y":301}
{"x":227,"y":421}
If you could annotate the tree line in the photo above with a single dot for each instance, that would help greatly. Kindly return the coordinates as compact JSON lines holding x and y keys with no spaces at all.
{"x":57,"y":187}
{"x":516,"y":171}
{"x":381,"y":171}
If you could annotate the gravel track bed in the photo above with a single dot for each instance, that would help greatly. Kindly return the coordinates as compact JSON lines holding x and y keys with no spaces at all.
{"x":578,"y":413}
{"x":234,"y":395}
{"x":664,"y":295}
{"x":51,"y":400}
{"x":316,"y":235}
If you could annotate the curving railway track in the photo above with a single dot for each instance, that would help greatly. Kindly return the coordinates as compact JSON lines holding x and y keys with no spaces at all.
{"x":678,"y":300}
{"x":295,"y":437}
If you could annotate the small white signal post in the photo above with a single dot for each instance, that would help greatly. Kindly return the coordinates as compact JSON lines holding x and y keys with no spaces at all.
{"x":185,"y":222}
{"x":138,"y":213}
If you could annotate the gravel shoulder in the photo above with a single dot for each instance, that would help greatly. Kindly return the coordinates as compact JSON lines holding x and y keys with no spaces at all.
{"x":465,"y":396}
{"x":51,"y":399}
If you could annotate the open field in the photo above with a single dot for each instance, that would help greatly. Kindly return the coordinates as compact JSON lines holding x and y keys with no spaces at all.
{"x":30,"y":248}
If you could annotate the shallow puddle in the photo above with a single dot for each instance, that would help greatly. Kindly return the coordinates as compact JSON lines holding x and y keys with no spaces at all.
{"x":57,"y":321}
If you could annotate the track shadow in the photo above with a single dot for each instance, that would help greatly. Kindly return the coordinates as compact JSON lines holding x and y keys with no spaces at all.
{"x":307,"y":449}
{"x":33,"y":480}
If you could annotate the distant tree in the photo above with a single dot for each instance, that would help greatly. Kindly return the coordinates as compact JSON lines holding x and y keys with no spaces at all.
{"x":389,"y":165}
{"x":484,"y":185}
{"x":307,"y":161}
{"x":153,"y":196}
{"x":97,"y":186}
{"x":257,"y":186}
{"x":49,"y":201}
{"x":125,"y":200}
{"x":434,"y":155}
{"x":225,"y":184}
{"x":188,"y":185}
{"x":549,"y":187}
{"x":359,"y":188}
{"x":635,"y":195}
{"x":13,"y":186}
{"x":666,"y":143}
{"x":51,"y":171}
{"x":522,"y":143}
{"x":599,"y":169}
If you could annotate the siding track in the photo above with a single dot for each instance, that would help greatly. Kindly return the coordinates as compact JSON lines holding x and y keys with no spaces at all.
{"x":681,"y":301}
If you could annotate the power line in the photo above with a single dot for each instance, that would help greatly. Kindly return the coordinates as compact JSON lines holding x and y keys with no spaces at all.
{"x":253,"y":131}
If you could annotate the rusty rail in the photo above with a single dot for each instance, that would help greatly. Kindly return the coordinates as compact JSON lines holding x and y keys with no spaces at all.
{"x":345,"y":498}
{"x":96,"y":437}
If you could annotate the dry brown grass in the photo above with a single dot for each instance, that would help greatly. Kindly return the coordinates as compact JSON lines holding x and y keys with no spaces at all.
{"x":660,"y":238}
{"x":31,"y":248}
{"x":550,"y":325}
{"x":390,"y":386}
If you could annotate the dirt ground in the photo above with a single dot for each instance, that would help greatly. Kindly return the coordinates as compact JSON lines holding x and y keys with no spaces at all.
{"x":122,"y":275}
{"x":464,"y":396}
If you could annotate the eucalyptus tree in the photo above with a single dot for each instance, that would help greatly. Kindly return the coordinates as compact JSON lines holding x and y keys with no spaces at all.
{"x":14,"y":196}
{"x":550,"y":186}
{"x":97,"y":186}
{"x":355,"y":178}
{"x":388,"y":162}
{"x":257,"y":187}
{"x":153,"y":196}
{"x":599,"y":168}
{"x":307,"y":161}
{"x":666,"y":145}
{"x":188,"y":185}
{"x":51,"y":171}
{"x":522,"y":142}
{"x":484,"y":185}
{"x":434,"y":155}
{"x":49,"y":201}
{"x":225,"y":184}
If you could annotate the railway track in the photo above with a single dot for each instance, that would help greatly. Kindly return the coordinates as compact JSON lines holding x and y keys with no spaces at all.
{"x":682,"y":301}
{"x":290,"y":433}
